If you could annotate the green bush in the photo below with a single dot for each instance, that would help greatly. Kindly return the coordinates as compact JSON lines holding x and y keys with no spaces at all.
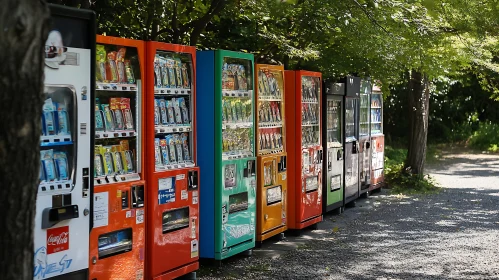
{"x":486,"y":137}
{"x":400,"y":180}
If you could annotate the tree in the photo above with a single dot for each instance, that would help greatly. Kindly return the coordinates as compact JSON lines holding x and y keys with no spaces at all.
{"x":24,"y":26}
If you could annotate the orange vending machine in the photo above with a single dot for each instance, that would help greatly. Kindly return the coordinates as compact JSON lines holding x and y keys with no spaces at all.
{"x":304,"y":130}
{"x":271,"y":150}
{"x":173,"y":194}
{"x":117,"y":236}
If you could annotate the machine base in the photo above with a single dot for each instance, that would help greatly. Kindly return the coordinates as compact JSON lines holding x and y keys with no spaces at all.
{"x":271,"y":233}
{"x":350,"y":201}
{"x":307,"y":223}
{"x":376,"y":187}
{"x":77,"y":275}
{"x":276,"y":238}
{"x":236,"y":250}
{"x":181,"y":271}
{"x":334,"y":206}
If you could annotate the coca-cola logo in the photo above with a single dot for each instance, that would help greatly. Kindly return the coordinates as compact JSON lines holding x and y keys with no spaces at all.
{"x":57,"y":239}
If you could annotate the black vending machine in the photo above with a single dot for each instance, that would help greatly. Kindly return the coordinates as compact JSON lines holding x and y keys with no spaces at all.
{"x":351,"y":139}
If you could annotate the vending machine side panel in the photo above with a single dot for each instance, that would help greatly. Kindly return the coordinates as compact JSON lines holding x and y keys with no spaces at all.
{"x":206,"y":119}
{"x":293,"y":149}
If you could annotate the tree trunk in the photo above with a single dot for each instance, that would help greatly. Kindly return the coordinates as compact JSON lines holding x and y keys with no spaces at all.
{"x":24,"y":27}
{"x":419,"y":97}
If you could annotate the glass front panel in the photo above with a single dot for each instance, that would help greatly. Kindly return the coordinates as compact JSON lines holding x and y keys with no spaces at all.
{"x":116,"y":113}
{"x":376,"y":113}
{"x":270,"y":111}
{"x":58,"y":149}
{"x":310,"y":93}
{"x":237,"y":107}
{"x":334,"y":121}
{"x":350,"y":117}
{"x":365,"y":92}
{"x":114,"y":243}
{"x":172,"y":113}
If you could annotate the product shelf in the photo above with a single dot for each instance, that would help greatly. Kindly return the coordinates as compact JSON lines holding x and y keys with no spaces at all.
{"x":236,"y":155}
{"x":310,"y":124}
{"x":115,"y":87}
{"x":172,"y":129}
{"x":269,"y":98}
{"x":55,"y":186}
{"x":115,"y":134}
{"x":174,"y":166}
{"x":270,"y":125}
{"x":237,"y":125}
{"x":55,"y":140}
{"x":270,"y":151}
{"x":116,"y":178}
{"x":237,"y":93}
{"x":171,"y":91}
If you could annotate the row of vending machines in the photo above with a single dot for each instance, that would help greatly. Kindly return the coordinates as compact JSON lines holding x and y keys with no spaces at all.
{"x":155,"y":155}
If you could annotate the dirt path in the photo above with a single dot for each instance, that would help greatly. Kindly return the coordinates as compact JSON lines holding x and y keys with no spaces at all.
{"x":450,"y":235}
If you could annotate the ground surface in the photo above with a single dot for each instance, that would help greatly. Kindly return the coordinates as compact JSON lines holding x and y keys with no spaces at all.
{"x":450,"y":235}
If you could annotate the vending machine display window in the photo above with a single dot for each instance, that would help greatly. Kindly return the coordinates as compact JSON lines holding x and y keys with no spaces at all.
{"x":310,"y":111}
{"x":237,"y":113}
{"x":350,"y":119}
{"x":365,"y":92}
{"x":58,"y":156}
{"x":117,"y":114}
{"x":172,"y":110}
{"x":376,"y":113}
{"x":334,"y":112}
{"x":114,"y":243}
{"x":271,"y":138}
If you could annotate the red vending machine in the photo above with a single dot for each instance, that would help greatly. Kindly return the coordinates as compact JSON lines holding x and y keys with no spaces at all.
{"x":303,"y":125}
{"x":172,"y":194}
{"x":117,"y":236}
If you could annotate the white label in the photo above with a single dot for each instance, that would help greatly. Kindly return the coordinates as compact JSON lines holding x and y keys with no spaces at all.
{"x":139,"y":275}
{"x":184,"y":195}
{"x":180,"y":177}
{"x":129,"y":214}
{"x":101,"y":209}
{"x":193,"y":228}
{"x":195,"y":197}
{"x":194,"y":248}
{"x":283,"y":176}
{"x":139,"y":217}
{"x":164,"y":184}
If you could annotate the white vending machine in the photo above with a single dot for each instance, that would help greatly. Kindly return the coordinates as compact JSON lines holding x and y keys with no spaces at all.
{"x":63,"y":204}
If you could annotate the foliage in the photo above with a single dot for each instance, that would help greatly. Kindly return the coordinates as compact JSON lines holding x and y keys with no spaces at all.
{"x":486,"y":138}
{"x":400,"y":180}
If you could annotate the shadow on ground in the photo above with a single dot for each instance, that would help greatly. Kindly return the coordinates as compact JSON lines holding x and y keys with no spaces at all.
{"x":450,"y":235}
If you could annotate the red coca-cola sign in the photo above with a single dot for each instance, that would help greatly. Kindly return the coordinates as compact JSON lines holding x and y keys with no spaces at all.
{"x":57,"y":239}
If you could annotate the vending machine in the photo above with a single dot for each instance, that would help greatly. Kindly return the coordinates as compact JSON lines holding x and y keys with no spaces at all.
{"x":304,"y":130}
{"x":63,"y":209}
{"x":377,"y":139}
{"x":351,"y":146}
{"x":227,"y":153}
{"x":365,"y":138}
{"x":172,"y":248}
{"x":117,"y":236}
{"x":271,"y":152}
{"x":333,"y":176}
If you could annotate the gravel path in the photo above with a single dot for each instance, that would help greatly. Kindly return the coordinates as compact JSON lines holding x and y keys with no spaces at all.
{"x":450,"y":235}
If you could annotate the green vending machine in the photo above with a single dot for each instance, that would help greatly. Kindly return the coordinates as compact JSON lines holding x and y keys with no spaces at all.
{"x":226,"y":153}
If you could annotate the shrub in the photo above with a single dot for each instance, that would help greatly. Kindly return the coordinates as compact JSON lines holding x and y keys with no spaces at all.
{"x":486,"y":137}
